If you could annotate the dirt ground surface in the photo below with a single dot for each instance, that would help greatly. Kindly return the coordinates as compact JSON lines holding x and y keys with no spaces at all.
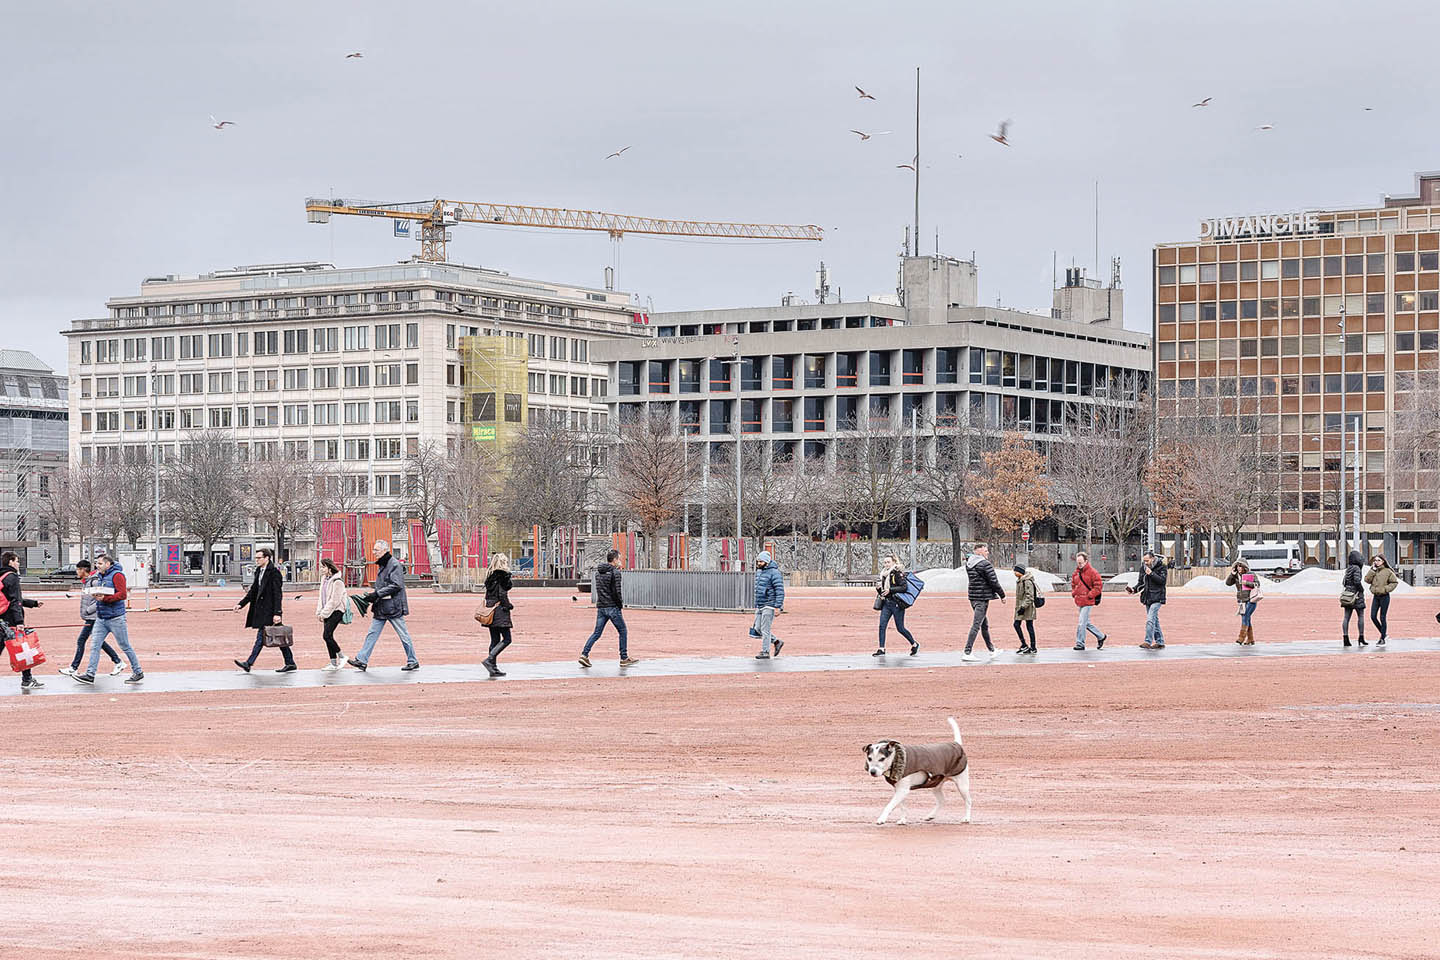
{"x":1273,"y":808}
{"x":199,"y":630}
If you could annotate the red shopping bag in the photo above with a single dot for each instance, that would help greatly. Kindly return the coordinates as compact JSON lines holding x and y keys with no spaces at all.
{"x":24,"y":649}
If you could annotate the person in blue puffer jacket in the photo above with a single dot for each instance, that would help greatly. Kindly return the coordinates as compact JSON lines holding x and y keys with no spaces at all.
{"x":769,"y":603}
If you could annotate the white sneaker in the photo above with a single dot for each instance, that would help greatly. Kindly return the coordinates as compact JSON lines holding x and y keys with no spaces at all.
{"x":119,"y":669}
{"x":331,"y":667}
{"x":67,"y":671}
{"x":969,"y":656}
{"x":994,"y":654}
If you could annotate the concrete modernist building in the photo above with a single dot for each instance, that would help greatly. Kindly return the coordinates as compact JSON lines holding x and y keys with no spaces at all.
{"x":33,"y":446}
{"x":355,"y":369}
{"x":809,"y":375}
{"x":1312,"y":322}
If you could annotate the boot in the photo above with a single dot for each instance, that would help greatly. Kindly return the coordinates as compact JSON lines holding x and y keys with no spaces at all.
{"x":1241,"y":638}
{"x":1249,"y":636}
{"x":1346,"y":638}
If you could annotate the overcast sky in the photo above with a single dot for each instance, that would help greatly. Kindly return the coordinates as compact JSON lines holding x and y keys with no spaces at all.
{"x":741,"y":110}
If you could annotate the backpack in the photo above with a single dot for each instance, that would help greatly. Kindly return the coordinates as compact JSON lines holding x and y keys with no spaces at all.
{"x":4,"y":600}
{"x":911,"y":593}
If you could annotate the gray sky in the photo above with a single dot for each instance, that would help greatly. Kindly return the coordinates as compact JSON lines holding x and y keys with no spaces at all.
{"x":740,"y":110}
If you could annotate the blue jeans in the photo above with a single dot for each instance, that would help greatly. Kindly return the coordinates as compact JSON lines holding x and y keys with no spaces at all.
{"x":891,"y":609}
{"x":1245,"y":613}
{"x":1153,"y":634}
{"x":764,"y":619}
{"x":115,"y":627}
{"x":374,"y":635}
{"x":1085,"y":625}
{"x":604,"y":615}
{"x":108,"y":650}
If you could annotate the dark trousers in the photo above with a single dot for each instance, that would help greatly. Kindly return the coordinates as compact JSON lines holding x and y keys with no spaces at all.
{"x":980,"y":624}
{"x":1359,"y":621}
{"x":331,"y":622}
{"x":499,"y":640}
{"x":259,"y":645}
{"x":892,"y":610}
{"x":604,"y":615}
{"x":1030,"y":624}
{"x":105,"y":647}
{"x":1380,"y":613}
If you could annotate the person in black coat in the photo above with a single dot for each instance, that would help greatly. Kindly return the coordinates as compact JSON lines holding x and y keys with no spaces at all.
{"x":1354,"y":579}
{"x":609,"y":608}
{"x":14,"y":615}
{"x":497,"y":596}
{"x":1150,"y":583}
{"x":265,"y":599}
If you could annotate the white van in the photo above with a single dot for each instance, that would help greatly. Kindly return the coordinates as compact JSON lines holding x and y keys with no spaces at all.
{"x":1274,"y":557}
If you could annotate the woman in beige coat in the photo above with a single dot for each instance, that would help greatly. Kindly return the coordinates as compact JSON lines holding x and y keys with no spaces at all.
{"x":330,"y":610}
{"x":1383,"y":581}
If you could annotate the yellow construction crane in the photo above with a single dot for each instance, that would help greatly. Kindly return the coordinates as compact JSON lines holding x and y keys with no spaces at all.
{"x":435,"y":217}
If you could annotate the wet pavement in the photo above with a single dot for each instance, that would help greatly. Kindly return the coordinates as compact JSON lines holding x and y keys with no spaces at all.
{"x":217,"y":680}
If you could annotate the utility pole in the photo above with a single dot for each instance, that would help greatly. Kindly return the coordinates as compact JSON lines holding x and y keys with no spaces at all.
{"x":1355,"y":467}
{"x":739,"y":404}
{"x":1342,"y":548}
{"x":917,"y":161}
{"x":155,"y":457}
{"x":914,"y":505}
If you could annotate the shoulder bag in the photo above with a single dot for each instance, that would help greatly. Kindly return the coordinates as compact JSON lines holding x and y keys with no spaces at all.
{"x":484,"y":615}
{"x":278,"y":636}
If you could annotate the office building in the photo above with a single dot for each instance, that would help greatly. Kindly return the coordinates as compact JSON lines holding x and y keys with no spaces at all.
{"x":1318,"y":324}
{"x":33,"y":447}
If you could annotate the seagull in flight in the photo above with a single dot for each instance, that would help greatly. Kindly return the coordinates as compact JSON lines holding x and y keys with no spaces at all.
{"x":1265,"y":126}
{"x":1000,"y":136}
{"x":354,"y":56}
{"x":905,"y":166}
{"x":866,"y":136}
{"x":1202,"y":103}
{"x":616,"y":153}
{"x":220,"y":124}
{"x":863,"y":94}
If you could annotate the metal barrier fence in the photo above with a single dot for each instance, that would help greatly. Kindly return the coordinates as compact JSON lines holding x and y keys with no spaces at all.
{"x":685,"y":590}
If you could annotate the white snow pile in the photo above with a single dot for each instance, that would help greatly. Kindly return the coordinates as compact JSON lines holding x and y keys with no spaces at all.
{"x":945,"y":580}
{"x":1313,"y":582}
{"x":1127,"y":579}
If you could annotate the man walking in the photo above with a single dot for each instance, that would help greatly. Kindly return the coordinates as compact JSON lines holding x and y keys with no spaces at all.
{"x":110,"y":594}
{"x":1085,"y":589}
{"x":769,"y":602}
{"x":389,"y":605}
{"x":1150,"y":584}
{"x":266,"y":599}
{"x":88,"y":578}
{"x":984,"y":587}
{"x":14,"y":615}
{"x":609,"y":606}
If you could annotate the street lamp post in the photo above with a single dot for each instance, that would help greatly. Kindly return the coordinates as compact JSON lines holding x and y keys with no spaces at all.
{"x":914,"y":505}
{"x":155,"y":458}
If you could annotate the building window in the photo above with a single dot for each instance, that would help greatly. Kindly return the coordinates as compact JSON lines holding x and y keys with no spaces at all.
{"x":357,"y":413}
{"x":357,"y":338}
{"x":297,"y":341}
{"x":412,"y":335}
{"x":326,"y":340}
{"x":387,"y":336}
{"x":357,"y":376}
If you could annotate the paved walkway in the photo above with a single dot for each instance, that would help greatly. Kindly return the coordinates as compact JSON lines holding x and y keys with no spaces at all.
{"x":201,"y":681}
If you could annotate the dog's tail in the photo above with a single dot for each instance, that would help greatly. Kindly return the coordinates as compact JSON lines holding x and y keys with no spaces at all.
{"x":955,"y":727}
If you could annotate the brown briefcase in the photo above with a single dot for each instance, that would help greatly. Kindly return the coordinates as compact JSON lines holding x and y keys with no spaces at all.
{"x":279,"y":636}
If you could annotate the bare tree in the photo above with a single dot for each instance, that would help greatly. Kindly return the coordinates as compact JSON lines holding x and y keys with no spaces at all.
{"x":873,"y":483}
{"x":1128,"y":502}
{"x":650,"y":479}
{"x":765,"y":490}
{"x":425,"y":475}
{"x":56,"y":507}
{"x":282,"y":495}
{"x":1098,"y":472}
{"x":130,"y":508}
{"x":206,"y":488}
{"x":550,"y":472}
{"x":470,"y":495}
{"x":944,"y":485}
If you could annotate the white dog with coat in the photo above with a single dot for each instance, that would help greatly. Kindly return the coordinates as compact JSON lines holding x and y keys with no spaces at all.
{"x":920,"y":767}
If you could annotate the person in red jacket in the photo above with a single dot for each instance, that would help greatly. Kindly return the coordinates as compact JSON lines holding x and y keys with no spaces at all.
{"x":1085,"y":587}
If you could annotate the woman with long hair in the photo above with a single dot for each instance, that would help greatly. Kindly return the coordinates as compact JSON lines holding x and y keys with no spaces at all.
{"x":330,"y":610}
{"x":892,"y":582}
{"x":497,"y":597}
{"x":1383,"y":581}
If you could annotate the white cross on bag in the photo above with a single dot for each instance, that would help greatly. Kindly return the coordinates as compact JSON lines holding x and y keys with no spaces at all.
{"x":26,"y":654}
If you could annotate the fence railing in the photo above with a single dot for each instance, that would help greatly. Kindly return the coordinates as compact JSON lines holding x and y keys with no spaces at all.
{"x":685,"y":590}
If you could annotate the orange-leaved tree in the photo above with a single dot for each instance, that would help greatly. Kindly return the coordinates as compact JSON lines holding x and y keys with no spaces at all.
{"x":1012,"y":488}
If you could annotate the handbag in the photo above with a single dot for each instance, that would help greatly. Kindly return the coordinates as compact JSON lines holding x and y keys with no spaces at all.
{"x":1039,"y":600}
{"x":278,"y":636}
{"x":484,"y":615}
{"x":24,"y":649}
{"x":879,"y":602}
{"x":1349,"y":598}
{"x":347,"y":614}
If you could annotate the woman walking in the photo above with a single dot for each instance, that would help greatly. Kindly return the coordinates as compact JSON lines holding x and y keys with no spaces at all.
{"x":330,"y":609}
{"x":1383,"y":581}
{"x":1352,"y":597}
{"x":265,"y":598}
{"x":497,"y":597}
{"x":1085,"y":589}
{"x":893,"y":582}
{"x":1025,"y":606}
{"x":1247,"y":594}
{"x":14,"y":615}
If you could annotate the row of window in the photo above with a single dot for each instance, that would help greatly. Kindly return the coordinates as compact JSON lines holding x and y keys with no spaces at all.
{"x":1296,"y":268}
{"x":384,"y":449}
{"x":258,"y":415}
{"x":244,"y":381}
{"x":213,"y":307}
{"x":260,"y":343}
{"x":1334,"y":345}
{"x":1337,"y":305}
{"x":560,"y":348}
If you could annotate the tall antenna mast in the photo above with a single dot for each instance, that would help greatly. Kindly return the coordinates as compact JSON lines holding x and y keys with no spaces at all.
{"x":1097,"y":229}
{"x":917,"y":161}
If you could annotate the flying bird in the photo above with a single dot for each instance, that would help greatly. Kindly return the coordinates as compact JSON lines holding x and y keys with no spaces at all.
{"x":354,"y":56}
{"x":1000,"y":137}
{"x":1202,"y":103}
{"x":1266,"y":126}
{"x":1368,"y":109}
{"x":220,"y":124}
{"x":863,"y":94}
{"x":905,"y":166}
{"x":866,"y":136}
{"x":617,"y":152}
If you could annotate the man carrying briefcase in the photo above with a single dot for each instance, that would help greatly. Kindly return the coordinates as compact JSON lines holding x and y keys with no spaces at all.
{"x":265,"y":598}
